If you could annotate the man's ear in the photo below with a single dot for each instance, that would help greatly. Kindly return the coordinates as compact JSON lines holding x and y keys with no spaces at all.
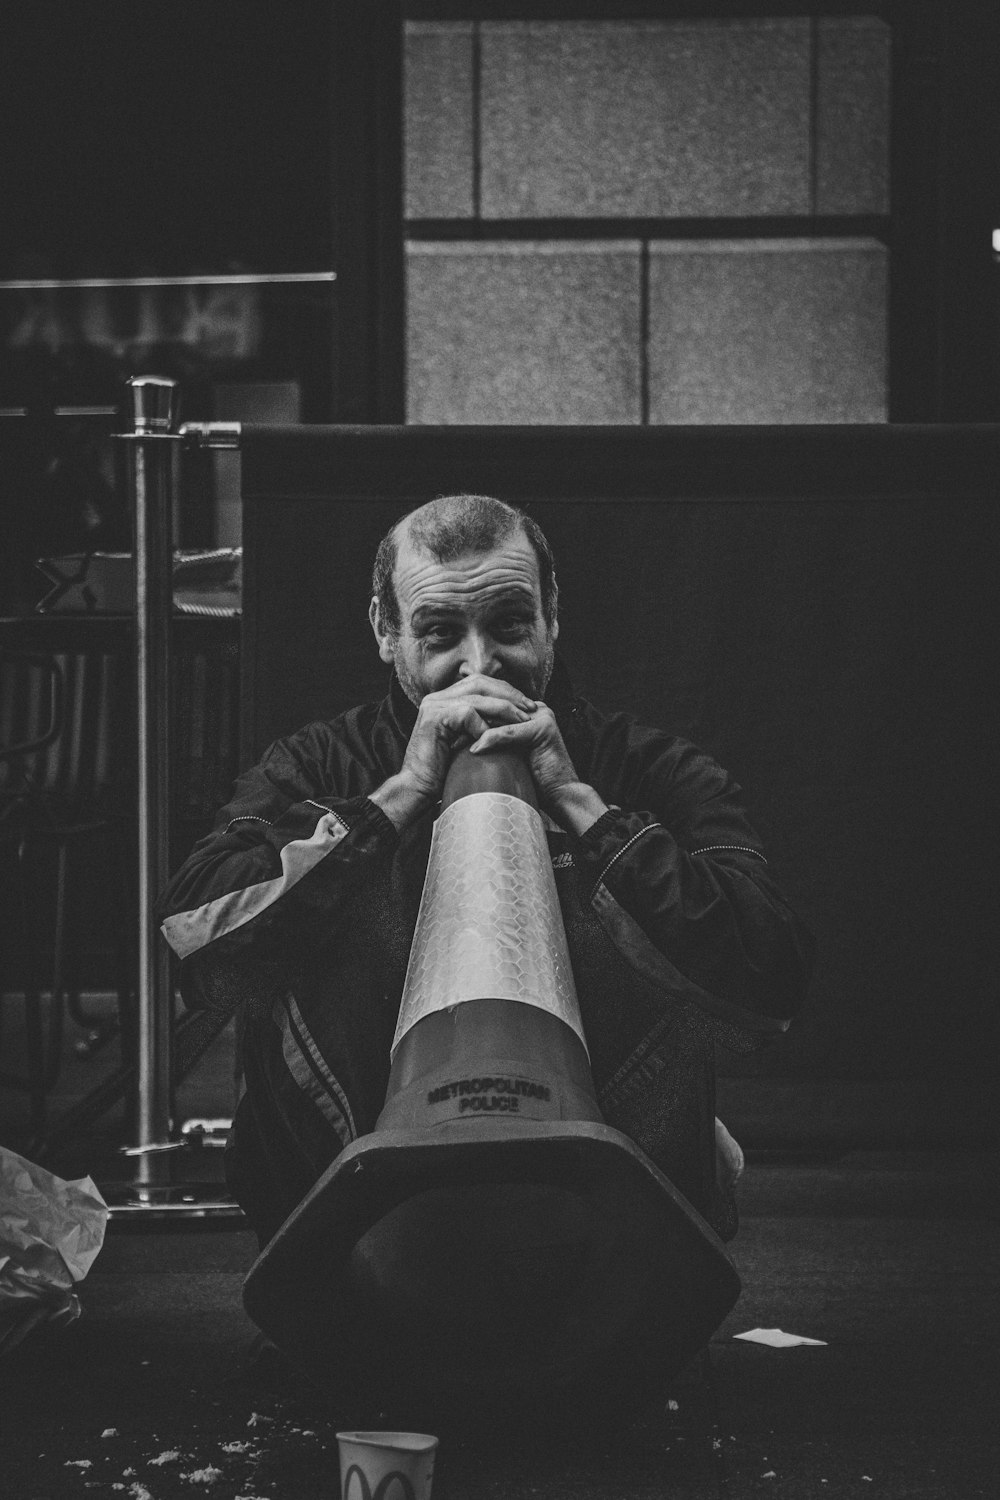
{"x":384,"y":637}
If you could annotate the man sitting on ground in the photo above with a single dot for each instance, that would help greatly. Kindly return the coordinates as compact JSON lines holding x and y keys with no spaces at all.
{"x":300,"y":906}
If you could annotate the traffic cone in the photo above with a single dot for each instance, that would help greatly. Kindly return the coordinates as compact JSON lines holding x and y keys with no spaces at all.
{"x":489,"y":1023}
{"x":492,"y":1242}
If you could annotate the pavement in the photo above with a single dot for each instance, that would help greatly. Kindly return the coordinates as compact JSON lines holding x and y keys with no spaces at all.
{"x":891,"y":1260}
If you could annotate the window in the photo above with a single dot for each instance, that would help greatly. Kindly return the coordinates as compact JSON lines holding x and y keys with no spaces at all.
{"x":667,"y":220}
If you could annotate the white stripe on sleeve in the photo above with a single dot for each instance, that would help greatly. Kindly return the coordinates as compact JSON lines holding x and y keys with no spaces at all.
{"x":188,"y":931}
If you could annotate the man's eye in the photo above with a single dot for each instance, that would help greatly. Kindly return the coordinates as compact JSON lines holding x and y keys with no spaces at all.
{"x":511,"y":629}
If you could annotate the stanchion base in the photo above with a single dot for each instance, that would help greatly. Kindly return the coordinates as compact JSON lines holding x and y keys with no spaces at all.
{"x":134,"y":1204}
{"x":174,"y":1182}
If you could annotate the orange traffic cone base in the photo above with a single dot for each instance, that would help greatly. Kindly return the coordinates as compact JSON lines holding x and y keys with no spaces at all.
{"x":488,"y":1058}
{"x":485,"y":1261}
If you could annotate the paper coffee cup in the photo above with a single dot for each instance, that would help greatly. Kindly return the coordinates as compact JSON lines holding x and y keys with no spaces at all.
{"x":386,"y":1465}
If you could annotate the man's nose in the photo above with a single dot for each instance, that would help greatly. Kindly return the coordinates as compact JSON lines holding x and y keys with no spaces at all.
{"x":479,"y":655}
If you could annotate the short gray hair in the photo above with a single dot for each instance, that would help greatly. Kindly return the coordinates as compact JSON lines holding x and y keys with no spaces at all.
{"x":451,"y":526}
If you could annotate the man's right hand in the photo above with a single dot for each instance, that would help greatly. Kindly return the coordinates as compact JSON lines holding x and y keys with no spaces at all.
{"x":447,"y":721}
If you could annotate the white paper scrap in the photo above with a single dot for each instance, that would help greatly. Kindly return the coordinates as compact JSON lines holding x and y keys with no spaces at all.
{"x":776,"y":1337}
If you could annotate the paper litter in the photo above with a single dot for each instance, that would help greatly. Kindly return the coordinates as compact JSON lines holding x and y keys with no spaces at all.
{"x":51,"y":1232}
{"x":777,"y":1338}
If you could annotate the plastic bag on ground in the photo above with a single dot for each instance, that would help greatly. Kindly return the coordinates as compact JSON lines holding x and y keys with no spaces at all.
{"x":51,"y":1232}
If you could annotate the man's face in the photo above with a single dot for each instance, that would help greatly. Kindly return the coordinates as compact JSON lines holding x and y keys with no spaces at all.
{"x":481,"y":612}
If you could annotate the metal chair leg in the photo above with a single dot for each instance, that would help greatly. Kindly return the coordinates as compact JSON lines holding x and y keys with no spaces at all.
{"x":33,"y":1026}
{"x":53,"y":1063}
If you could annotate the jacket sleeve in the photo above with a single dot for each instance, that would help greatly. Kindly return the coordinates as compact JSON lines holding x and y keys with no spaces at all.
{"x":684,"y":892}
{"x":276,"y":875}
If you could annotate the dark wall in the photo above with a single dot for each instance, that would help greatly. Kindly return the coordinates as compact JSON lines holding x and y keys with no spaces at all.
{"x":809,"y":605}
{"x":164,"y":139}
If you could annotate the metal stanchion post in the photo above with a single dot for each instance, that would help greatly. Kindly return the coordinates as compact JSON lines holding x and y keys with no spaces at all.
{"x":150,"y":469}
{"x":154,"y":1192}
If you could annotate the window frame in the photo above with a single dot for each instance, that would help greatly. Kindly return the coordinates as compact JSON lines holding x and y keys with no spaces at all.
{"x":943,"y":357}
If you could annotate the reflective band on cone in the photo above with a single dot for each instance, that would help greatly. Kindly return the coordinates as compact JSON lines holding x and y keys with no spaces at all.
{"x":489,"y":925}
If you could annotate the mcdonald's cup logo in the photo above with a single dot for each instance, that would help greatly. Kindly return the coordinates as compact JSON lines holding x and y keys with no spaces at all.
{"x":392,"y":1486}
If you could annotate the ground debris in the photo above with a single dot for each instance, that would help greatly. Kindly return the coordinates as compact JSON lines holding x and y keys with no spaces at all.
{"x":209,"y":1475}
{"x":257,"y":1417}
{"x":168,"y":1456}
{"x":78,"y":1463}
{"x":235,"y":1447}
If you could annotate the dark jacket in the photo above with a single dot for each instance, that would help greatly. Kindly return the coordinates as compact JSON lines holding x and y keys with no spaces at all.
{"x":301,"y":905}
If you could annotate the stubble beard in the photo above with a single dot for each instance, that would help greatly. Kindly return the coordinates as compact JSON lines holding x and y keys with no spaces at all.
{"x":407,"y":681}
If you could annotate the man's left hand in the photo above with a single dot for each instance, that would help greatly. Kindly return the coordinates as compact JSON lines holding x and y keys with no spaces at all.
{"x":559,"y":787}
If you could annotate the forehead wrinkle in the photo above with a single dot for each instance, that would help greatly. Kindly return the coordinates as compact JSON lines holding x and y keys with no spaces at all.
{"x":428,"y":584}
{"x":504,"y":596}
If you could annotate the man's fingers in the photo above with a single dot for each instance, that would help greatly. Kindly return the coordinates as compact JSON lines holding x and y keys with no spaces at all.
{"x":505,"y":734}
{"x":479,"y":685}
{"x":457,"y":713}
{"x":480,"y":718}
{"x":509,"y":713}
